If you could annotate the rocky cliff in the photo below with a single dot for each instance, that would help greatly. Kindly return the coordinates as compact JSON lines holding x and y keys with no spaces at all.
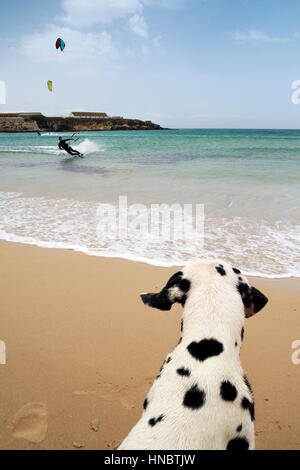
{"x":17,"y":125}
{"x":59,"y":124}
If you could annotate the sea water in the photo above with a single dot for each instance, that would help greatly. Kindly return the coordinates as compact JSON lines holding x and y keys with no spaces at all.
{"x":247,"y":180}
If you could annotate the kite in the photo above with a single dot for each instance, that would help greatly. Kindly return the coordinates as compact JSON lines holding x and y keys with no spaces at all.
{"x":60,"y":44}
{"x":49,"y":83}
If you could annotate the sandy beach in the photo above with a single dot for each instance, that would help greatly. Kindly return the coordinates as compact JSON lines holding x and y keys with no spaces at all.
{"x":82,"y":350}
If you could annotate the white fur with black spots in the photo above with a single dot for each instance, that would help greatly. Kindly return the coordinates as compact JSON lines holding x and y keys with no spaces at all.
{"x":201,"y":398}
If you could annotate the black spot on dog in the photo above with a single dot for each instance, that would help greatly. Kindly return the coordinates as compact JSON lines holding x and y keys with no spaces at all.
{"x":146,"y":402}
{"x":236,"y":271}
{"x":183,"y":300}
{"x":240,"y":278}
{"x":242,"y":333}
{"x":247,"y":405}
{"x":243,"y":288}
{"x":244,"y":291}
{"x":185,"y":285}
{"x":205,"y":349}
{"x":239,"y":428}
{"x":154,"y":421}
{"x":160,"y":370}
{"x":181,"y":329}
{"x":248,"y":384}
{"x":228,"y":391}
{"x":162,"y":367}
{"x":239,"y":443}
{"x":221,"y":270}
{"x":183,"y":371}
{"x":194,"y":398}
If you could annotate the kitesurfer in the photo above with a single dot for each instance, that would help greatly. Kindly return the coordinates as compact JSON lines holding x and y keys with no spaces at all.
{"x":64,"y":146}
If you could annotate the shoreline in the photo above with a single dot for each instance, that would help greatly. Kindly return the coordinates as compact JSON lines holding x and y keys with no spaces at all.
{"x":83,"y":351}
{"x":135,"y":259}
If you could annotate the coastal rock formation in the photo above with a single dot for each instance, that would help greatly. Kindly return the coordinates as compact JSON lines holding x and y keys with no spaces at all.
{"x":38,"y":122}
{"x":17,"y":125}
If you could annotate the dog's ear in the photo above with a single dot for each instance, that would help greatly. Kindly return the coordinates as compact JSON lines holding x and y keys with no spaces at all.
{"x":252,"y":298}
{"x":174,"y":291}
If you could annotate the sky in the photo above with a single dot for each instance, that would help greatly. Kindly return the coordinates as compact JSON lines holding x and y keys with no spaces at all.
{"x":179,"y":63}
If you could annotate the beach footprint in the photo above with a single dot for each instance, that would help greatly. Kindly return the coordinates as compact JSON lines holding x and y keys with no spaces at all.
{"x":31,"y":422}
{"x":128,"y":395}
{"x":113,"y":445}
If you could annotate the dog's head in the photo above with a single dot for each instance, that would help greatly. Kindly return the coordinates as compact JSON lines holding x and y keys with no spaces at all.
{"x":182,"y":284}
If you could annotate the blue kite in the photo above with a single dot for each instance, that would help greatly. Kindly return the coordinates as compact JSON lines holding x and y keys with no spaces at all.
{"x":60,"y":44}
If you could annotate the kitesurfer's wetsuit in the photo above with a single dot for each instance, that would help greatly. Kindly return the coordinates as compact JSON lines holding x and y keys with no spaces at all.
{"x":64,"y":146}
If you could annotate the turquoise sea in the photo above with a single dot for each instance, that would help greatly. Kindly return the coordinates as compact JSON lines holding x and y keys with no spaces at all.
{"x":248,"y":181}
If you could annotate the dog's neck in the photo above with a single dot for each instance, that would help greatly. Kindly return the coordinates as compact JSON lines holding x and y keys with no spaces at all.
{"x":213,"y":313}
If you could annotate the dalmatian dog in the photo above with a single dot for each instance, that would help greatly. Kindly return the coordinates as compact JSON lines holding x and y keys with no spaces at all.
{"x":201,"y":398}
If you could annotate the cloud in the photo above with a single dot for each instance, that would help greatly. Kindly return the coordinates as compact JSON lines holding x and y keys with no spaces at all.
{"x":83,"y":13}
{"x":138,"y":25}
{"x":157,"y":44}
{"x":170,"y":4}
{"x":86,"y":47}
{"x":256,"y":36}
{"x":40,"y":47}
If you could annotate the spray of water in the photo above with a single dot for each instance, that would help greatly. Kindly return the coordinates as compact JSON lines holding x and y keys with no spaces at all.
{"x":87,"y":146}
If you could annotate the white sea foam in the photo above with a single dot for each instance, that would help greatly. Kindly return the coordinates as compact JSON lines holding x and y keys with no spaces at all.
{"x":31,"y":149}
{"x":88,"y":146}
{"x":257,"y":246}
